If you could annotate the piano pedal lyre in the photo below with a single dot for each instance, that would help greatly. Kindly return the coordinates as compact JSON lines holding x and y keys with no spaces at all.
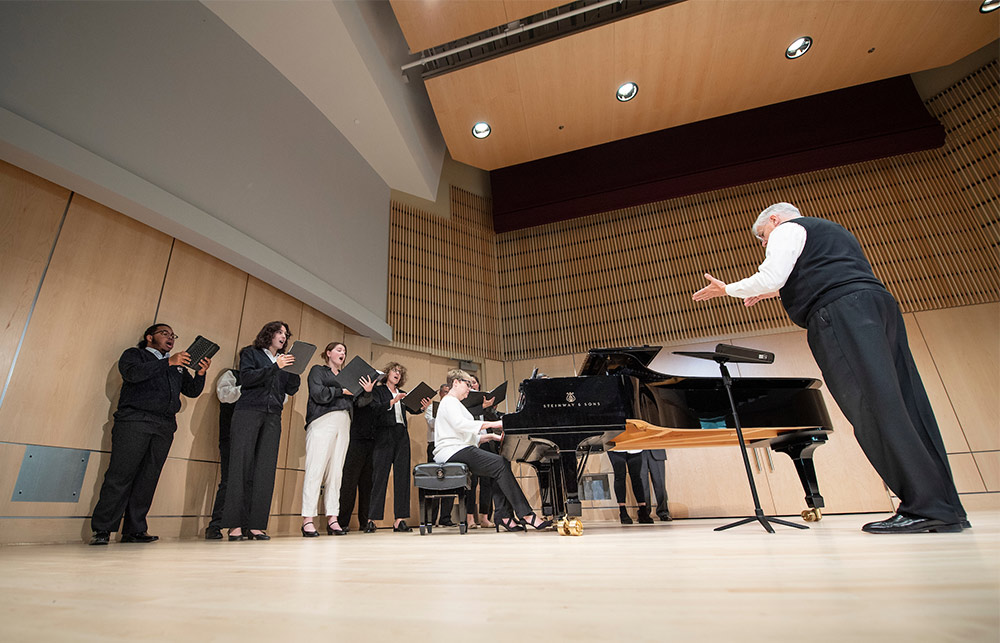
{"x":812,"y":515}
{"x":569,"y":526}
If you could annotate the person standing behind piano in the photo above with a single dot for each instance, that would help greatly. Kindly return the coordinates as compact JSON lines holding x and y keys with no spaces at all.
{"x":632,"y":462}
{"x":436,"y":504}
{"x":456,"y":439}
{"x":228,"y":391}
{"x":256,"y":430}
{"x":857,"y":336}
{"x":654,"y":463}
{"x":485,"y":484}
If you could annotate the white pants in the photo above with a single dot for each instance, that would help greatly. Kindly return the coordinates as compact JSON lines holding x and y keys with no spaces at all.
{"x":326,"y":447}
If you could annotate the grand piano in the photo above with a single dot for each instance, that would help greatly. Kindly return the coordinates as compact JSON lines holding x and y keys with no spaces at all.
{"x":619,"y":403}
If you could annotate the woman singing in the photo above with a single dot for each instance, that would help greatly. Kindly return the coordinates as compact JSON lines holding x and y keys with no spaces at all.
{"x":456,"y":439}
{"x":256,"y":430}
{"x":328,"y":432}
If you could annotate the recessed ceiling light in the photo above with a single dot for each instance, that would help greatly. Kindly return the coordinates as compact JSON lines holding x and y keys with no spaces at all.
{"x":481,"y":130}
{"x":798,"y":48}
{"x":627,"y":92}
{"x":989,"y":5}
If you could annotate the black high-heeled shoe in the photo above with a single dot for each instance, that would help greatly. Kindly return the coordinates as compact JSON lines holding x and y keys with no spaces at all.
{"x":240,"y":536}
{"x":545,"y":524}
{"x":370,"y":527}
{"x":509,"y":524}
{"x":261,"y":536}
{"x":309,"y":534}
{"x":330,"y":531}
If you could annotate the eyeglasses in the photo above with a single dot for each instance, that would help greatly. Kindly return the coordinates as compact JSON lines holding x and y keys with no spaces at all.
{"x":167,"y":333}
{"x":468,"y":382}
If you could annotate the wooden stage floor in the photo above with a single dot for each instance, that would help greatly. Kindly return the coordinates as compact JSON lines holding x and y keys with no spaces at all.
{"x":669,"y":581}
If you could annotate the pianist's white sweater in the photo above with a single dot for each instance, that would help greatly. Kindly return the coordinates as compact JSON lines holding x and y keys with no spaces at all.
{"x":454,"y":429}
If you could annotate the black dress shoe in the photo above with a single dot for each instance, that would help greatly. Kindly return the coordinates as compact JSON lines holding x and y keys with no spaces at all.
{"x":664,"y":517}
{"x":141,"y":537}
{"x":901,"y":524}
{"x":402,"y":526}
{"x":370,"y":527}
{"x":213,"y":533}
{"x":644,"y":517}
{"x":965,"y":523}
{"x":237,"y":537}
{"x":447,"y":523}
{"x":101,"y":538}
{"x":334,"y":531}
{"x":310,"y":534}
{"x":260,"y":536}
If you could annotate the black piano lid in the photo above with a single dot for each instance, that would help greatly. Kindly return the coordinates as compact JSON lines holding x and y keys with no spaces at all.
{"x":598,"y":359}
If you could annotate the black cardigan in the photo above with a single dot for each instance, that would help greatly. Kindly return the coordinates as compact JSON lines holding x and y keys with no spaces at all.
{"x":263,"y":385}
{"x":152,"y":388}
{"x":384,"y":415}
{"x":325,"y":395}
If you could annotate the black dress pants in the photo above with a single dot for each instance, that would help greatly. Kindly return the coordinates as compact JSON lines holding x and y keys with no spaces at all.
{"x":508,"y":499}
{"x":859,"y":342}
{"x":435,"y":505}
{"x":225,"y":422}
{"x":392,"y":451}
{"x":357,"y":481}
{"x":485,"y":485}
{"x":633,"y":463}
{"x":655,"y":469}
{"x":138,"y":451}
{"x":253,"y":459}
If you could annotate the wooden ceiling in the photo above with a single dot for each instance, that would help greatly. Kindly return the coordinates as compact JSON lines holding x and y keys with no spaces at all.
{"x":694,"y":60}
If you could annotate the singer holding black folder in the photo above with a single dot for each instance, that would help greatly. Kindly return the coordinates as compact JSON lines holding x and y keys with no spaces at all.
{"x":392,"y":449}
{"x":145,"y":422}
{"x":256,"y":430}
{"x":328,"y":433}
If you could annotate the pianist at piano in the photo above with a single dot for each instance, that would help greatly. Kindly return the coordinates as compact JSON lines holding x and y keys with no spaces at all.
{"x":858,"y":338}
{"x":456,"y":439}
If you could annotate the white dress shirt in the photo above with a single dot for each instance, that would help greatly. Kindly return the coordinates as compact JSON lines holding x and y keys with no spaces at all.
{"x":782,"y":252}
{"x":454,"y":429}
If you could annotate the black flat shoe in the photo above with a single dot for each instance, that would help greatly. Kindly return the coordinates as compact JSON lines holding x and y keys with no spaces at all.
{"x":141,"y":537}
{"x":213,"y":533}
{"x":237,"y":537}
{"x":900,"y":524}
{"x":330,"y":531}
{"x":965,"y":523}
{"x":664,"y":517}
{"x":370,"y":527}
{"x":260,"y":536}
{"x":402,"y":526}
{"x":101,"y":538}
{"x":310,"y":534}
{"x":447,"y":523}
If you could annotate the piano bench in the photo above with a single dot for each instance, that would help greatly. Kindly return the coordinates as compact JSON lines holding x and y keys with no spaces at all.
{"x":434,"y":480}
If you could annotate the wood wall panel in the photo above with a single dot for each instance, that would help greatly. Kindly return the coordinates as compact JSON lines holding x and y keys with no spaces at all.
{"x":195,"y":305}
{"x":30,"y":211}
{"x":966,"y":474}
{"x":99,"y":294}
{"x":964,"y":346}
{"x":988,"y":463}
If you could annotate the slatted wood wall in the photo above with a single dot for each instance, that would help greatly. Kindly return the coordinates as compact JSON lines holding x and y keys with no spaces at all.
{"x":927,"y":221}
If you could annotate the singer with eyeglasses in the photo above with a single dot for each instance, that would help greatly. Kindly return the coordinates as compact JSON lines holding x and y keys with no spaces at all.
{"x":457,"y":436}
{"x":153,"y":381}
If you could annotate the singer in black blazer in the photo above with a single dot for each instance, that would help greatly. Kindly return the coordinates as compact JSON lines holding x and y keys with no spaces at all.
{"x":256,"y":431}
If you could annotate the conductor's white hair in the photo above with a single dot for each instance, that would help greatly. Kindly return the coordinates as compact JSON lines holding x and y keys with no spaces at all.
{"x":786,"y":210}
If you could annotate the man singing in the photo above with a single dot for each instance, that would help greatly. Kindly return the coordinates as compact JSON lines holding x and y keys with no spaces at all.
{"x":152,"y":383}
{"x":857,"y":336}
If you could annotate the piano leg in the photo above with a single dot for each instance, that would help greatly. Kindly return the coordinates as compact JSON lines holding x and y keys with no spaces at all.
{"x":549,"y":487}
{"x":801,"y":452}
{"x":570,"y":482}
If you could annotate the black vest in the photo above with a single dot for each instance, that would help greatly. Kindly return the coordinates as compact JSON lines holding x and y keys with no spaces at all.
{"x":831,"y":265}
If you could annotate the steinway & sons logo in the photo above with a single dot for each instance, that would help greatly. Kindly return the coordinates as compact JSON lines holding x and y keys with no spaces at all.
{"x":570,"y":402}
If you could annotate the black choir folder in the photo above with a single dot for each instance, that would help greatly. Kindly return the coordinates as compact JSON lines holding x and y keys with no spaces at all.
{"x":303,"y":352}
{"x":356,"y":369}
{"x":475,"y":399}
{"x":200,"y":349}
{"x":413,"y":398}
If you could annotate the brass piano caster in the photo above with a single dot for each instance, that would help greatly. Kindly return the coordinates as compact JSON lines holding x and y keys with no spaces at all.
{"x":812,"y":515}
{"x":569,"y":527}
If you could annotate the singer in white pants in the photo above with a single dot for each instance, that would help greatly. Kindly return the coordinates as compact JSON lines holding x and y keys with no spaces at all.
{"x":328,"y":431}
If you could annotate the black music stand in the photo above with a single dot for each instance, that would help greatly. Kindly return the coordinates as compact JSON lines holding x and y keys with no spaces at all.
{"x":726,"y":353}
